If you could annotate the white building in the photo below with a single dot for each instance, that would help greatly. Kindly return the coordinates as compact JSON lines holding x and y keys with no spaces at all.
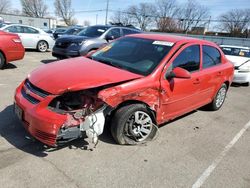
{"x":43,"y":23}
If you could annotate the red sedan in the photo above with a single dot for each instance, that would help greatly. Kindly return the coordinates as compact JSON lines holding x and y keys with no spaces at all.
{"x":11,"y":48}
{"x":135,"y":84}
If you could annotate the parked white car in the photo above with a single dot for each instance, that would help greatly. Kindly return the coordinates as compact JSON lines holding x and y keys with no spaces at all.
{"x":240,"y":57}
{"x":31,"y":37}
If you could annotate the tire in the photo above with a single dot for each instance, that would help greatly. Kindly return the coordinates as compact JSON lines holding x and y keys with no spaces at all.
{"x":219,"y":98}
{"x":2,"y":61}
{"x":42,"y":46}
{"x":126,"y":131}
{"x":246,"y":84}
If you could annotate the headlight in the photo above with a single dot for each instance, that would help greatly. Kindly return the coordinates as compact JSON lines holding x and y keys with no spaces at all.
{"x":245,"y":67}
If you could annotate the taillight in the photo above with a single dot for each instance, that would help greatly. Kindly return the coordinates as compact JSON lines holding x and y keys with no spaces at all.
{"x":17,"y":40}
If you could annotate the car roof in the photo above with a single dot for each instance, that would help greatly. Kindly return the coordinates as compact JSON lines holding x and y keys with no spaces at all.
{"x":23,"y":25}
{"x":231,"y":46}
{"x":170,"y":38}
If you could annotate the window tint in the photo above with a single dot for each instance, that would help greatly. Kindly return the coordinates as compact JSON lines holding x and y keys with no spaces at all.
{"x":211,"y":56}
{"x":115,"y":33}
{"x":14,"y":29}
{"x":129,"y":31}
{"x":29,"y":30}
{"x":188,"y":59}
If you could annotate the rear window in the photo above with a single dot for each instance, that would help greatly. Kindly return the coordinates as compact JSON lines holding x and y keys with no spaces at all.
{"x":211,"y":56}
{"x":129,"y":31}
{"x":236,"y":51}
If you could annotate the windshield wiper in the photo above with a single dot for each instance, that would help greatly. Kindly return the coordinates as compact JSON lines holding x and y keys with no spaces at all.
{"x":108,"y":62}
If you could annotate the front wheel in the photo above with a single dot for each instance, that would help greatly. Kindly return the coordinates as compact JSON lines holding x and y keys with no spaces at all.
{"x":133,"y":124}
{"x":42,"y":46}
{"x":219,"y":98}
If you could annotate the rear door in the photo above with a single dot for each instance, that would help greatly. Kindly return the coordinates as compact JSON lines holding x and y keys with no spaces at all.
{"x":30,"y":37}
{"x":212,"y":72}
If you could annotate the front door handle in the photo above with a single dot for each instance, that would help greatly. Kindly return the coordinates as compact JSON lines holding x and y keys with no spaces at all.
{"x":197,"y":81}
{"x":219,"y":73}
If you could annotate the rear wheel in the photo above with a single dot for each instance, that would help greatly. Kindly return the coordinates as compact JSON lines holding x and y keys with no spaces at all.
{"x":42,"y":46}
{"x":133,"y":124}
{"x":219,"y":98}
{"x":2,"y":61}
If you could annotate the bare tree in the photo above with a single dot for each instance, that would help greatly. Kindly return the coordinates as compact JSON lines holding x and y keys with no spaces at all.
{"x":142,"y":14}
{"x":235,"y":21}
{"x":166,"y":11}
{"x":4,"y":6}
{"x":122,"y":17}
{"x":63,"y":9}
{"x":36,"y":8}
{"x":192,"y":14}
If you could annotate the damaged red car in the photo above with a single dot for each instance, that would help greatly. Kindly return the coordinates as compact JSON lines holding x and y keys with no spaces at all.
{"x":133,"y":85}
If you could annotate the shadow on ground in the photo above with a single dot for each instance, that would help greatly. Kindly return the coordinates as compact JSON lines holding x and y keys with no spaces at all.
{"x":47,"y":61}
{"x":12,"y":130}
{"x":10,"y":66}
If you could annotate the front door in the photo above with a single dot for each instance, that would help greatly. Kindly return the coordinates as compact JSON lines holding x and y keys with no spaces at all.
{"x":178,"y":95}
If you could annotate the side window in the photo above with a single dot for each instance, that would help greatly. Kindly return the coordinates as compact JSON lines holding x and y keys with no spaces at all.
{"x":188,"y":59}
{"x":211,"y":56}
{"x":30,"y":30}
{"x":14,"y":29}
{"x":129,"y":31}
{"x":114,"y":33}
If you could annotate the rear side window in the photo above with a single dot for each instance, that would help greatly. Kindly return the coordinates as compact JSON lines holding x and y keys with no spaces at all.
{"x":188,"y":59}
{"x":211,"y":56}
{"x":30,"y":30}
{"x":129,"y":31}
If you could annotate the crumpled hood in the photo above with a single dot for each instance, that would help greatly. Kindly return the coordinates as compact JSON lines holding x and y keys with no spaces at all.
{"x":77,"y":74}
{"x":237,"y":60}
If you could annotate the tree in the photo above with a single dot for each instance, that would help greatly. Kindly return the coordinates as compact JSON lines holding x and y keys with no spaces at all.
{"x":4,"y":6}
{"x":166,"y":11}
{"x":192,"y":14}
{"x":121,"y":17}
{"x":235,"y":21}
{"x":35,"y":8}
{"x":142,"y":14}
{"x":64,"y":10}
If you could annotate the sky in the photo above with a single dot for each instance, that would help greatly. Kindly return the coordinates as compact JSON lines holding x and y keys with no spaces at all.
{"x":216,"y":7}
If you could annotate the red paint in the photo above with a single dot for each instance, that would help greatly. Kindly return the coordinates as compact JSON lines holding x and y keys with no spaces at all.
{"x":168,"y":98}
{"x":11,"y":46}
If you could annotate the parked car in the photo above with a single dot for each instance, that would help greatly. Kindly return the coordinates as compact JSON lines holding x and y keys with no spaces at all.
{"x":59,"y":31}
{"x":240,"y":57}
{"x":91,"y":38}
{"x":11,"y":48}
{"x":50,"y":32}
{"x":32,"y":38}
{"x":71,"y":31}
{"x":136,"y":83}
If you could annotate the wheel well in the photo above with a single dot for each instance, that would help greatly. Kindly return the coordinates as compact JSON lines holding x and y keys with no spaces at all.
{"x":3,"y":56}
{"x":125,"y":103}
{"x":93,"y":49}
{"x":227,"y":84}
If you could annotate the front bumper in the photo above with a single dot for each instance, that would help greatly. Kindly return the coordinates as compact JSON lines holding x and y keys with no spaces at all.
{"x":241,"y":77}
{"x":38,"y":120}
{"x":64,"y":53}
{"x":49,"y":127}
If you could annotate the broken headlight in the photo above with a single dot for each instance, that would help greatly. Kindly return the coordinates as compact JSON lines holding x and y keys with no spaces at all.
{"x":79,"y":103}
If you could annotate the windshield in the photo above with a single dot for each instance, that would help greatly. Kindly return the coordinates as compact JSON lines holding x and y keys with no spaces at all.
{"x":236,"y":51}
{"x":94,"y":31}
{"x":73,"y":31}
{"x":137,"y":55}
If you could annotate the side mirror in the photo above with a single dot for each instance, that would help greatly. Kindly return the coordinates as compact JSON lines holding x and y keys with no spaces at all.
{"x":179,"y":73}
{"x":90,"y":53}
{"x":109,"y":37}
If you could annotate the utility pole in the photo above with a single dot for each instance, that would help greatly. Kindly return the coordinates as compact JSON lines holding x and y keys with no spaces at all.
{"x":107,"y":10}
{"x":96,"y":19}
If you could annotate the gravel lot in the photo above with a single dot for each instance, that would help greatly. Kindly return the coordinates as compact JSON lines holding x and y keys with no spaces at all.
{"x":182,"y":152}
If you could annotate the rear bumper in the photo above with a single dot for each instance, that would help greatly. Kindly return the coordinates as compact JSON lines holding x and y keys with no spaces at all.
{"x":64,"y":53}
{"x":241,"y":77}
